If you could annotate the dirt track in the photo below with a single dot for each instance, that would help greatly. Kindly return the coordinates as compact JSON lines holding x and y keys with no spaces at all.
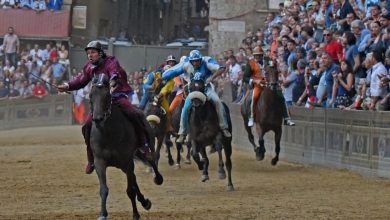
{"x":41,"y":177}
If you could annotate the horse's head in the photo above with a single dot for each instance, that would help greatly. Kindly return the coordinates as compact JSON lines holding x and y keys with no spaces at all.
{"x":197,"y":92}
{"x":155,"y":114}
{"x":272,"y":76}
{"x":100,"y":98}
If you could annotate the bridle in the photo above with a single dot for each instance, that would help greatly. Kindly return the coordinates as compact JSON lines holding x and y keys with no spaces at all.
{"x":100,"y":81}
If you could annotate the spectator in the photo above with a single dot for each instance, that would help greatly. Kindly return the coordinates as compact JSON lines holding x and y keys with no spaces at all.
{"x":26,"y":4}
{"x":378,"y":71}
{"x":13,"y":93}
{"x":234,"y":70}
{"x":63,"y":54}
{"x":8,"y":3}
{"x":46,"y":53}
{"x":39,"y":5}
{"x":58,"y":70}
{"x":288,"y":81}
{"x":54,"y":5}
{"x":3,"y":91}
{"x":25,"y":90}
{"x":343,"y":90}
{"x":39,"y":90}
{"x":373,"y":41}
{"x":299,"y":90}
{"x":328,"y":66}
{"x":36,"y":53}
{"x":332,"y":47}
{"x":47,"y":71}
{"x":8,"y":67}
{"x":11,"y":46}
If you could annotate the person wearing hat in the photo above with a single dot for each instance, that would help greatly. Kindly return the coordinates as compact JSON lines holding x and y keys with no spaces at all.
{"x":254,"y":76}
{"x":99,"y":62}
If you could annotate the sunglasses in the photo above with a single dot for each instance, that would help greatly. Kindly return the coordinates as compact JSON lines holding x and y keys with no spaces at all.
{"x":327,"y":35}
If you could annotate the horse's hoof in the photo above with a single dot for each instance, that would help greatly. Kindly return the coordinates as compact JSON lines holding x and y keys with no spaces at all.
{"x":204,"y":178}
{"x":230,"y":188}
{"x":147,"y":204}
{"x":171,"y":162}
{"x":259,"y":157}
{"x":158,"y":179}
{"x":187,"y":161}
{"x":102,"y":218}
{"x":178,"y":166}
{"x":221,"y":175}
{"x":136,"y":217}
{"x":274,"y":161}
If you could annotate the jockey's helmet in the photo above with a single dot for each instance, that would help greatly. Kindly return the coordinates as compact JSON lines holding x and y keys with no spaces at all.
{"x":94,"y":45}
{"x":171,"y":58}
{"x":195,"y":55}
{"x":97,"y":46}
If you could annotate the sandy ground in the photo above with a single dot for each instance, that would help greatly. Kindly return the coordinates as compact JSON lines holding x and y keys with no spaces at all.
{"x":42,"y":177}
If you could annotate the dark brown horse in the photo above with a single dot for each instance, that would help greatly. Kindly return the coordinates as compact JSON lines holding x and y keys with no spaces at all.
{"x":268,"y":115}
{"x":204,"y":130}
{"x":114,"y":143}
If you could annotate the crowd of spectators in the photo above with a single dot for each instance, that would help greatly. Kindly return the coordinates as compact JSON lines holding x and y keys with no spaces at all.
{"x":330,"y":53}
{"x":37,"y":5}
{"x":31,"y":71}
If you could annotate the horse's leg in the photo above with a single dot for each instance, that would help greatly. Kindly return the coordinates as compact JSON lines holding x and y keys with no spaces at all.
{"x":221,"y":170}
{"x":250,"y":134}
{"x":188,"y":156}
{"x":260,"y":151}
{"x":228,"y":162}
{"x":205,"y":159}
{"x":133,"y":191}
{"x":179,"y":148}
{"x":158,"y":178}
{"x":158,"y":149}
{"x":195,"y":156}
{"x":278,"y":136}
{"x":170,"y":159}
{"x":101,"y":167}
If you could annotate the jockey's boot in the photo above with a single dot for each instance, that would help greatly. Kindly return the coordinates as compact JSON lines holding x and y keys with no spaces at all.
{"x":288,"y":122}
{"x":181,"y":138}
{"x":89,"y":168}
{"x":250,"y":122}
{"x":226,"y":133}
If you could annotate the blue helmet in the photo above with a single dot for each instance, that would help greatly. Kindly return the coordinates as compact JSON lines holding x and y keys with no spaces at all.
{"x":195,"y":55}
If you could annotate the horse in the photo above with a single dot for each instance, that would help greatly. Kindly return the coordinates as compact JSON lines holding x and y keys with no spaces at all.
{"x":204,"y":130}
{"x":114,"y":143}
{"x":268,"y":115}
{"x":157,"y":118}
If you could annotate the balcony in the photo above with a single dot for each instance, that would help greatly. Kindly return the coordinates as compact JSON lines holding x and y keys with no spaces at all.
{"x":30,"y":24}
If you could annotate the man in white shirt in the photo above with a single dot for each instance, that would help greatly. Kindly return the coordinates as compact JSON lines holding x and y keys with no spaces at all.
{"x":379,"y":71}
{"x":234,"y":70}
{"x":11,"y":46}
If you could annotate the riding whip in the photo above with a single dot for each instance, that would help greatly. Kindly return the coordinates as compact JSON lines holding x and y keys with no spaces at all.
{"x":51,"y":84}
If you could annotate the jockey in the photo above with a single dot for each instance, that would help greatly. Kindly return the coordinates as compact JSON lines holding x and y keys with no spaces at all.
{"x":209,"y":70}
{"x":150,"y":85}
{"x":253,"y":75}
{"x":178,"y":89}
{"x":99,"y":62}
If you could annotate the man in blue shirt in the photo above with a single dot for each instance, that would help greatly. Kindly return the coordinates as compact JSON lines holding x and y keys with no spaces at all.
{"x":206,"y":68}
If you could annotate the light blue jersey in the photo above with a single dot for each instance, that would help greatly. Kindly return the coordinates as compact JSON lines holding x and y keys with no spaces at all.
{"x":207,"y":68}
